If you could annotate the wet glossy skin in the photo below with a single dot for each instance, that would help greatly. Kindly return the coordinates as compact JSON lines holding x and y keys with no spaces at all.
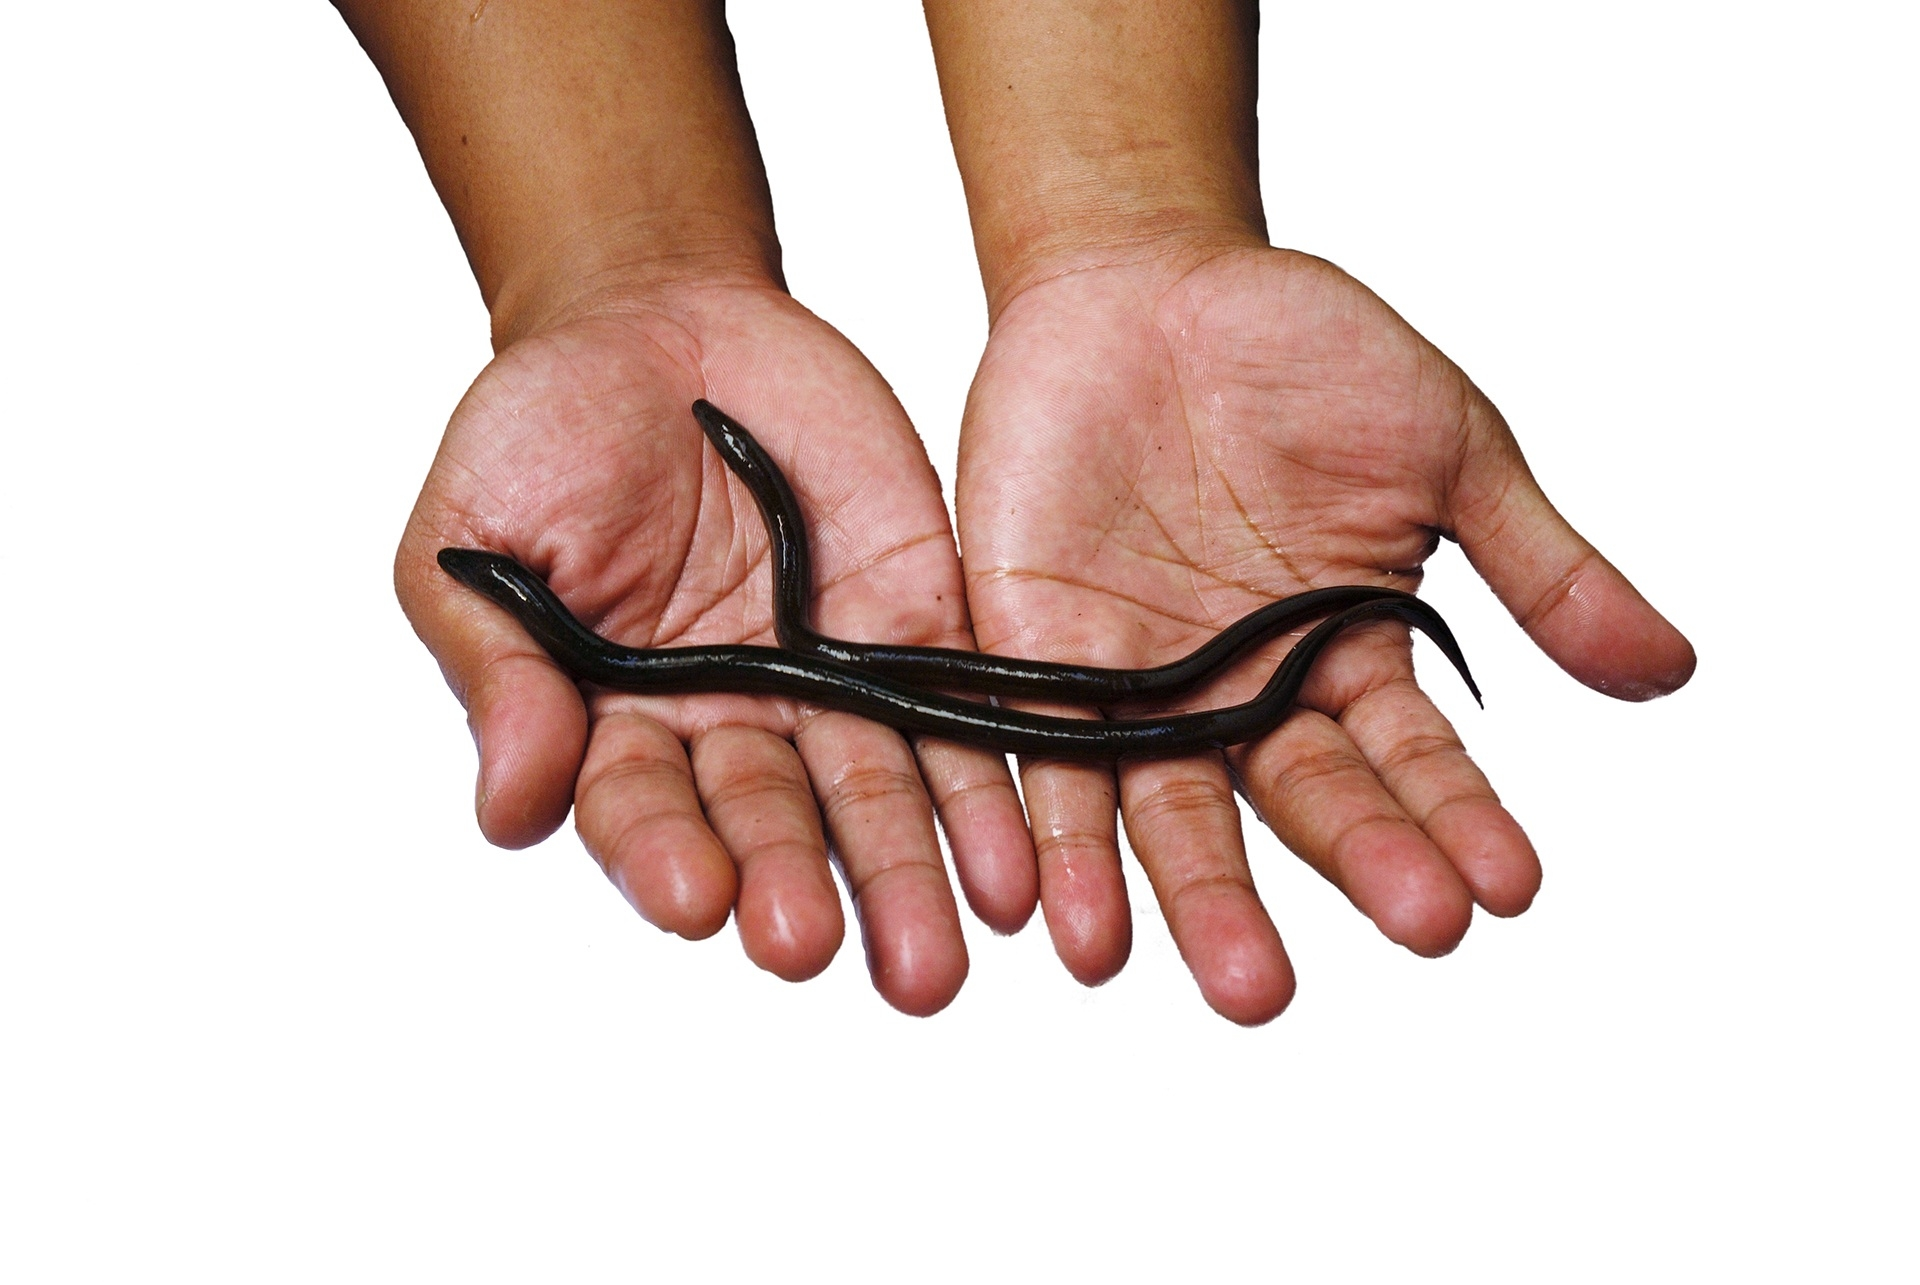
{"x":980,"y":672}
{"x":903,"y":687}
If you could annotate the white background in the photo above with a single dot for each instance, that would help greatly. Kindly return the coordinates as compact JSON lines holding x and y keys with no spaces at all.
{"x":271,"y":1010}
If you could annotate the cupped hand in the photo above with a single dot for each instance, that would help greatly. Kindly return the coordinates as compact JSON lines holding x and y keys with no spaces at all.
{"x":575,"y":453}
{"x":1158,"y":444}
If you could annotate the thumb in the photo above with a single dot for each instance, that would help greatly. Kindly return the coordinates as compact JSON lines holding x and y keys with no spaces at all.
{"x":527,"y":717}
{"x":1571,"y":601}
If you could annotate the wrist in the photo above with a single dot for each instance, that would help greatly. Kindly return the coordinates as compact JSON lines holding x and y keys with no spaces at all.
{"x":1090,"y":132}
{"x":631,"y":262}
{"x":1164,"y":241}
{"x":580,"y":146}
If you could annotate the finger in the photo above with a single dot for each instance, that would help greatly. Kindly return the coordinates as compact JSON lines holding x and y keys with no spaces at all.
{"x":881,"y":823}
{"x":1311,"y":784}
{"x":639,"y":815}
{"x":1572,"y":602}
{"x":978,"y":807}
{"x":1185,"y":829}
{"x":1419,"y":758}
{"x":528,"y":720}
{"x":757,"y":800}
{"x":1076,"y":843}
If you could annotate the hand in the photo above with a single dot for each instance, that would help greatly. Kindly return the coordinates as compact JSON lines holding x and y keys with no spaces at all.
{"x":576,"y":454}
{"x":1156,"y":444}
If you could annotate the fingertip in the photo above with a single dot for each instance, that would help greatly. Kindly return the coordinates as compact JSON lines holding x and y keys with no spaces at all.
{"x":1253,"y":998}
{"x":1491,"y":852}
{"x":1001,"y":885}
{"x":1093,"y":942}
{"x":1666,"y":662}
{"x":687,"y":891}
{"x":1412,"y":895}
{"x":986,"y":828}
{"x":1430,"y":926}
{"x":1083,"y":895}
{"x":792,"y":937}
{"x":915,"y":954}
{"x":927,"y":991}
{"x":1612,"y":639}
{"x":759,"y":804}
{"x":1006,"y":917}
{"x":1506,"y":886}
{"x":528,"y":720}
{"x":1685,"y":661}
{"x":1235,"y":955}
{"x":530,"y":728}
{"x":1511,"y":899}
{"x":1579,"y":607}
{"x":993,"y":855}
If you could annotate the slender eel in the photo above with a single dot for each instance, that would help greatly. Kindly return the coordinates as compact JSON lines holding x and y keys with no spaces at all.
{"x":973,"y":671}
{"x":778,"y":672}
{"x":884,"y":682}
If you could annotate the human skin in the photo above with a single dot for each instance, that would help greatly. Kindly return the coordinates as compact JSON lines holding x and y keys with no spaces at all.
{"x":1174,"y":422}
{"x":599,"y":165}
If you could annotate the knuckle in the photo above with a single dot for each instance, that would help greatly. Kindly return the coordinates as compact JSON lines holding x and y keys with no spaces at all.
{"x":864,"y":881}
{"x":751,"y":792}
{"x":641,"y":837}
{"x":1316,"y":767}
{"x":1456,"y":799}
{"x":1418,"y":749}
{"x":1070,"y":841}
{"x":1350,"y":842}
{"x":757,"y":854}
{"x":1182,"y":800}
{"x":862,"y":784}
{"x":845,"y":811}
{"x":956,"y":792}
{"x":1557,"y":594}
{"x":644,"y":773}
{"x":1213,"y":882}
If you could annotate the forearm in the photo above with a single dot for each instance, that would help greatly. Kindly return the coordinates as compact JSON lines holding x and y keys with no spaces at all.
{"x":1089,"y":128}
{"x":581,"y":146}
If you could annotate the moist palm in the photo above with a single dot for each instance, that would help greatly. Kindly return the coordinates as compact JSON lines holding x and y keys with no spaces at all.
{"x":1154,"y":449}
{"x":575,"y":453}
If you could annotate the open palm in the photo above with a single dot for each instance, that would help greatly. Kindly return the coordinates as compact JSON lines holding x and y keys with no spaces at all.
{"x":575,"y":453}
{"x":1151,"y":451}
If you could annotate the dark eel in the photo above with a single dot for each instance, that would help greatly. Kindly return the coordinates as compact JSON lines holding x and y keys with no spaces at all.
{"x":904,"y":686}
{"x":975,"y":671}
